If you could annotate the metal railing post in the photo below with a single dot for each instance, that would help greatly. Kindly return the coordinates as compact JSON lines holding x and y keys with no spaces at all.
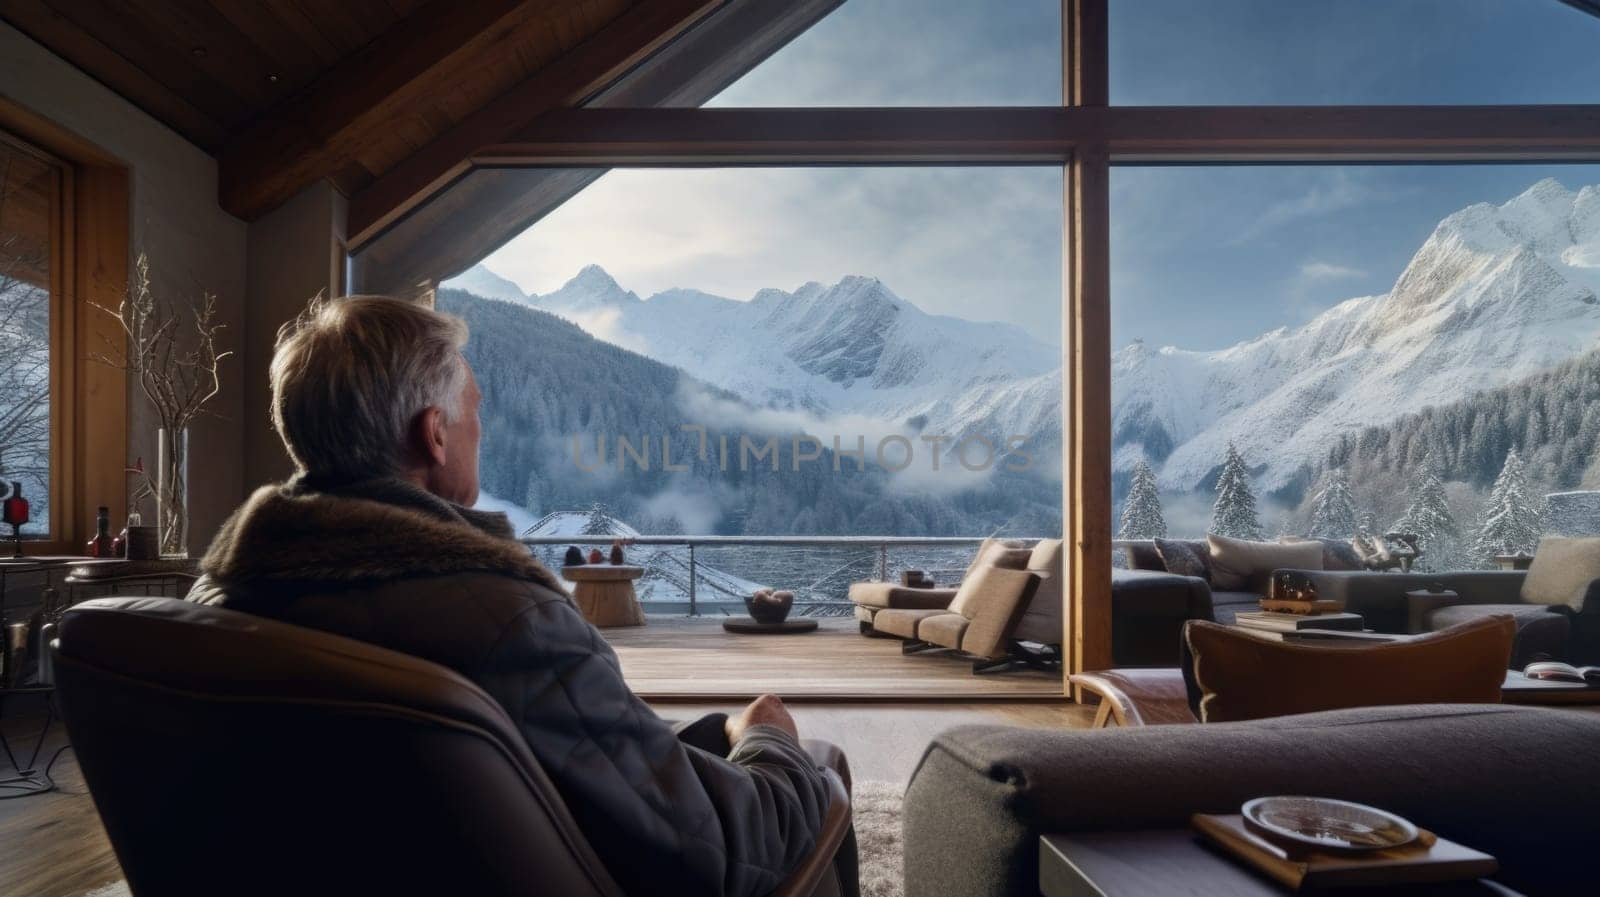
{"x":693,"y":612}
{"x":883,"y":562}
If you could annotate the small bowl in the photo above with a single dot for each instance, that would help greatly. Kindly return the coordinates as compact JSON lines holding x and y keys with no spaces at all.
{"x":1327,"y":824}
{"x":769,"y":607}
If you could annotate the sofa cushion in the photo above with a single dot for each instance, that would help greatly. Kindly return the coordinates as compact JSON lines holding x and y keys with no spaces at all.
{"x":1541,"y":633}
{"x":1185,"y":557}
{"x":943,"y":629}
{"x":1562,"y":570}
{"x":1225,"y":605}
{"x":991,"y":546}
{"x":902,"y":622}
{"x":1242,"y":565}
{"x":892,"y":594}
{"x":981,"y":581}
{"x":1234,"y":675}
{"x":993,"y":605}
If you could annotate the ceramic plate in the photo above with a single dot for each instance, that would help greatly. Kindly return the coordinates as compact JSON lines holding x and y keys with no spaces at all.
{"x":1327,"y":824}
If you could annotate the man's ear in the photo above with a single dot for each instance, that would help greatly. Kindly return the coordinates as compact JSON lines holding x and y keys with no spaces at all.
{"x":428,"y":436}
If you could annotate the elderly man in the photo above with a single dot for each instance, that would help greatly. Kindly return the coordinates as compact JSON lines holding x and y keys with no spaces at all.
{"x":374,"y":539}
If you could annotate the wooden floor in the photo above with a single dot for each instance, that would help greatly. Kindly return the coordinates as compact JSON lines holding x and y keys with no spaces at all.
{"x":680,"y":658}
{"x":52,"y":845}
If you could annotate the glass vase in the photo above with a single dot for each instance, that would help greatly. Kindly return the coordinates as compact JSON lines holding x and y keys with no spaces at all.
{"x":172,"y":492}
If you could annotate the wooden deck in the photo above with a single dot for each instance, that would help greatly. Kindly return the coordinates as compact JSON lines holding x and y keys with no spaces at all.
{"x":678,"y":658}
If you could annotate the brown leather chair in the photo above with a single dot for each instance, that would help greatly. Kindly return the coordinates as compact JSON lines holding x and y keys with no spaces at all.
{"x":232,"y":754}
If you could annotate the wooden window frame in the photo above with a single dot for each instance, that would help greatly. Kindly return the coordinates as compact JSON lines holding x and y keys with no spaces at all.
{"x":89,"y":266}
{"x":1086,"y":136}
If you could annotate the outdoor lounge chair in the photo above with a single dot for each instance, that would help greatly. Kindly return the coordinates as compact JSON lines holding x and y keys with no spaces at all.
{"x":872,"y":597}
{"x":1000,"y":617}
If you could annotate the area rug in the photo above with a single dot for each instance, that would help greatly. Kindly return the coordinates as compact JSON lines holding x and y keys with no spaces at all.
{"x":877,"y":816}
{"x":878,"y":837}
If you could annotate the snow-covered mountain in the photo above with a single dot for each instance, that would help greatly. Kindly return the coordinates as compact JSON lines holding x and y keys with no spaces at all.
{"x":1496,"y":294}
{"x":850,"y":349}
{"x":480,"y":281}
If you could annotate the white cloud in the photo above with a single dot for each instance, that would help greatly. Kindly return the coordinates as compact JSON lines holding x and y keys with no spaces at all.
{"x":1336,"y":191}
{"x":1328,"y":271}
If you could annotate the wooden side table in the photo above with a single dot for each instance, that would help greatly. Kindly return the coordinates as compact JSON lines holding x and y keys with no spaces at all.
{"x":605,"y":594}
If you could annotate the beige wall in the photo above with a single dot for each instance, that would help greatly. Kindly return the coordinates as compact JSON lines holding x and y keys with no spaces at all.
{"x":192,"y":245}
{"x":295,"y":252}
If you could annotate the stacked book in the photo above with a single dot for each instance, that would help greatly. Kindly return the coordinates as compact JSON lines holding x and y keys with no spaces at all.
{"x":1277,"y":621}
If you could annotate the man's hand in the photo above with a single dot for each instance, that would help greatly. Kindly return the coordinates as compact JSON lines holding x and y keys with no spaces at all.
{"x":767,"y":710}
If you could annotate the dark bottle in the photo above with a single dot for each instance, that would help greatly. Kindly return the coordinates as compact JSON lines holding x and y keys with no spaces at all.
{"x":616,"y":553}
{"x":101,"y":545}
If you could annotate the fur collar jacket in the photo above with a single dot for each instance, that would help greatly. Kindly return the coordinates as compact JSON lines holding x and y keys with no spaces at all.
{"x":303,"y":532}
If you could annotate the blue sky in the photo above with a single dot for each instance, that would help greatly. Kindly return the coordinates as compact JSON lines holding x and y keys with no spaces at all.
{"x":1202,"y":257}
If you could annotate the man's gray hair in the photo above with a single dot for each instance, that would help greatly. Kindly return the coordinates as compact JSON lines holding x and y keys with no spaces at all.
{"x":350,"y":375}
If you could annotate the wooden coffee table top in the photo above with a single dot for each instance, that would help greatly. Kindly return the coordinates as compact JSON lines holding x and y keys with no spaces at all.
{"x":601,"y":572}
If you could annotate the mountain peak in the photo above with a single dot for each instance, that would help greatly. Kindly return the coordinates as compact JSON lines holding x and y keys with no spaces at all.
{"x":480,"y":281}
{"x":591,"y":288}
{"x":591,"y":276}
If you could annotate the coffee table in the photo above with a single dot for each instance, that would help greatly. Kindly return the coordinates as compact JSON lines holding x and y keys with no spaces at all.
{"x":1173,"y":861}
{"x":604,"y":593}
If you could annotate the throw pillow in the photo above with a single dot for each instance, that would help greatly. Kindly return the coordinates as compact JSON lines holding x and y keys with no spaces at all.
{"x":1185,"y":558}
{"x":1337,"y":554}
{"x":1238,"y":565}
{"x":1562,"y":570}
{"x":1143,"y":556}
{"x":1233,"y":675}
{"x":1046,"y":555}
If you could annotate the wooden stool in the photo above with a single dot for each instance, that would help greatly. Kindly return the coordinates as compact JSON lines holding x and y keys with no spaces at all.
{"x":604,"y":593}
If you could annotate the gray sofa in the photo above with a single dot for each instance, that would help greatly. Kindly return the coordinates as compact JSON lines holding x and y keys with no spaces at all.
{"x":983,"y":795}
{"x":1148,"y":610}
{"x":1554,"y":630}
{"x":1543,"y":631}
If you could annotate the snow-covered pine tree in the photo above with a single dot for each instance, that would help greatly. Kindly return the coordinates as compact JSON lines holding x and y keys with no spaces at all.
{"x":1141,"y":511}
{"x":1333,"y":511}
{"x":1512,"y":519}
{"x":1234,"y":514}
{"x":599,"y":522}
{"x":1429,"y":517}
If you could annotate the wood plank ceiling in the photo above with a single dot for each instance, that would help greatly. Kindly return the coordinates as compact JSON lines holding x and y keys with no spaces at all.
{"x":350,"y":87}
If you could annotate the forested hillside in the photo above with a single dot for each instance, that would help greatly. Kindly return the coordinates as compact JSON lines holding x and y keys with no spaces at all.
{"x":1552,"y":419}
{"x":545,"y":381}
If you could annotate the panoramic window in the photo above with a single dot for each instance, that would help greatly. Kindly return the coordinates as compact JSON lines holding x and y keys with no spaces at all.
{"x":1343,"y":352}
{"x":30,"y":199}
{"x":836,"y":352}
{"x":1354,"y":52}
{"x":915,"y":53}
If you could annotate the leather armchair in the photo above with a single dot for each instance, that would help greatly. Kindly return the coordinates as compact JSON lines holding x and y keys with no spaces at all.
{"x":228,"y":753}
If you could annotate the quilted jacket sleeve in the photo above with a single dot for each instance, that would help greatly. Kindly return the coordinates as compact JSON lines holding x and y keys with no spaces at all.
{"x":661,"y":815}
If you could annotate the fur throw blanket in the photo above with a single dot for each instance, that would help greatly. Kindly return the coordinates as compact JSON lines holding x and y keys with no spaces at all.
{"x":371,"y":531}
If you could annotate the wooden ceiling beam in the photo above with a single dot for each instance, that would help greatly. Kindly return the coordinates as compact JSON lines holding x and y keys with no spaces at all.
{"x":687,"y":137}
{"x":594,"y":65}
{"x":66,"y":39}
{"x":318,"y":131}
